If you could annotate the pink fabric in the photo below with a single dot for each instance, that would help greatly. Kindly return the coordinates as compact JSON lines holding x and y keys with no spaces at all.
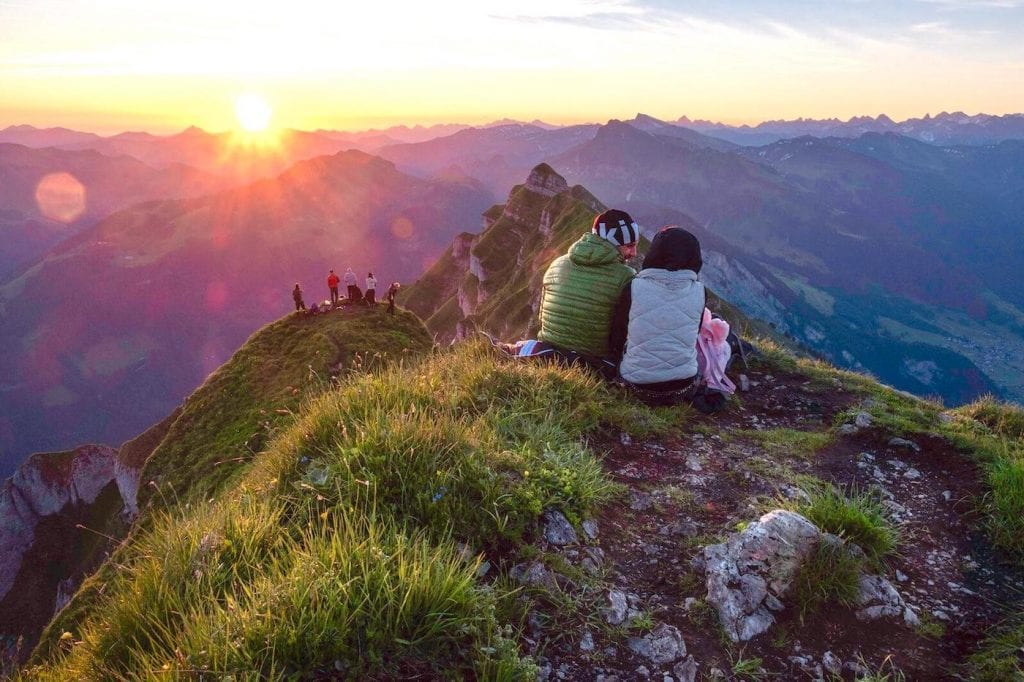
{"x":713,"y":353}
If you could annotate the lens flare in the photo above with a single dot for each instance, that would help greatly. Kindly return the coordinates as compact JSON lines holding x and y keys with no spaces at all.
{"x":60,"y":197}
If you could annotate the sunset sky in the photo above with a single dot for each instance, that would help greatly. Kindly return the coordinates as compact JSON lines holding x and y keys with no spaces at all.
{"x":114,"y":65}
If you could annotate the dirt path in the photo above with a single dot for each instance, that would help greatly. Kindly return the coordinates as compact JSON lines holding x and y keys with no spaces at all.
{"x":694,"y":490}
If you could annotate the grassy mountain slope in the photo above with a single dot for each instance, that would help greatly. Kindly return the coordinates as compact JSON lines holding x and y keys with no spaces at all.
{"x":202,"y":446}
{"x":377,"y":534}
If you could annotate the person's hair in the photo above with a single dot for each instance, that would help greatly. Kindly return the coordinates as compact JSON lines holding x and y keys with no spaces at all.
{"x":674,"y":248}
{"x":370,"y":275}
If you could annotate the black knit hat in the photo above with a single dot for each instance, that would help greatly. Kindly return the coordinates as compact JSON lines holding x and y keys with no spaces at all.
{"x":617,"y":227}
{"x":673,"y":248}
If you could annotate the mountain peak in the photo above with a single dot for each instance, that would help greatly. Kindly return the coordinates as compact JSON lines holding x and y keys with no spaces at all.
{"x":544,"y":180}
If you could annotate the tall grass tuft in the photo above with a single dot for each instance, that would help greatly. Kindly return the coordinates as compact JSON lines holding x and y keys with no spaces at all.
{"x":858,"y":517}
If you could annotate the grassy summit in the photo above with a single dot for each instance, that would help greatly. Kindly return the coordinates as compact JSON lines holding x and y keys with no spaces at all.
{"x":380,"y":528}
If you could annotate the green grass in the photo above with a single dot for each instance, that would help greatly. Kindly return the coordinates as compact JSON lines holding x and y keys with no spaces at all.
{"x":858,"y":517}
{"x":1000,"y":656}
{"x":789,"y":442}
{"x":338,"y":547}
{"x":830,"y":574}
{"x":240,"y":407}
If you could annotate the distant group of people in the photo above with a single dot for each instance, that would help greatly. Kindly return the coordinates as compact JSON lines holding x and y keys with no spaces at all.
{"x":649,"y":329}
{"x":355,"y":294}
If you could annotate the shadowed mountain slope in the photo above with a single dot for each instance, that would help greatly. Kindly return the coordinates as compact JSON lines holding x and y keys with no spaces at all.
{"x":48,"y":195}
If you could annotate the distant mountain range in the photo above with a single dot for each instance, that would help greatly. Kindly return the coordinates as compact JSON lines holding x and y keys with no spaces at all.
{"x":113,"y":327}
{"x":84,"y":186}
{"x":955,"y":128}
{"x":878,"y":251}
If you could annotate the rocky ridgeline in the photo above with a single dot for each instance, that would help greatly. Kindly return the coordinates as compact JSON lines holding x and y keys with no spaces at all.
{"x":56,"y":483}
{"x":491,"y":280}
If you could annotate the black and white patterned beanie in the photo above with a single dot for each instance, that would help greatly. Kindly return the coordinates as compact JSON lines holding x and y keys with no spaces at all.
{"x":617,"y":227}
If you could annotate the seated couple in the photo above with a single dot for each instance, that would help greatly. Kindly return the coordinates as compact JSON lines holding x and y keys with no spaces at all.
{"x":648,"y":326}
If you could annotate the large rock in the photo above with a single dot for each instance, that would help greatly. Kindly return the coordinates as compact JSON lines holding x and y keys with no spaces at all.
{"x":749,"y":573}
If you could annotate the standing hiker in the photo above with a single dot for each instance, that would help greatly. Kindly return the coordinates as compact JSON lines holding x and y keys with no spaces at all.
{"x":350,"y":282}
{"x":297,"y":297}
{"x":332,"y":284}
{"x":392,"y":292}
{"x":371,"y":290}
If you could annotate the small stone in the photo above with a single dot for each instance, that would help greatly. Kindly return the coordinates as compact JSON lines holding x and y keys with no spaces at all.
{"x":862,"y":420}
{"x":689,"y":603}
{"x":693,"y":463}
{"x":483,"y":569}
{"x":642,"y":671}
{"x":590,"y":528}
{"x":663,"y":644}
{"x":945,"y":418}
{"x":940,"y":614}
{"x":686,"y":671}
{"x":912,"y":473}
{"x":615,"y":612}
{"x":625,"y":439}
{"x":640,"y":501}
{"x":901,"y":576}
{"x":832,"y":663}
{"x":557,"y":529}
{"x":744,"y":383}
{"x":847,"y":429}
{"x":947,"y":495}
{"x":904,"y":443}
{"x":587,"y":641}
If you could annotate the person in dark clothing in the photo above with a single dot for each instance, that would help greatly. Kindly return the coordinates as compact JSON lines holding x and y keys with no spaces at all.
{"x":392,"y":292}
{"x":332,"y":283}
{"x":658,"y":317}
{"x":297,"y":297}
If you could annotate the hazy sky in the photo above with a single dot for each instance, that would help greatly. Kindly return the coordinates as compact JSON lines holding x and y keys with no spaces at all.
{"x":112,"y":65}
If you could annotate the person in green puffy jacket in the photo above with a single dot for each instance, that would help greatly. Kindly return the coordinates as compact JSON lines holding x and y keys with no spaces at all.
{"x":582,"y":287}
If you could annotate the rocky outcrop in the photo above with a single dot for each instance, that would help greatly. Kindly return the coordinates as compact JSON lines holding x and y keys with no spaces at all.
{"x":749,"y":573}
{"x":45,"y":485}
{"x":544,"y":180}
{"x":491,"y":281}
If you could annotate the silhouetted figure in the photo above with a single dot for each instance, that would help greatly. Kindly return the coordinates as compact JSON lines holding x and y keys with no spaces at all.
{"x":392,"y":292}
{"x":350,"y":282}
{"x":332,"y":283}
{"x":297,"y":297}
{"x":371,"y":290}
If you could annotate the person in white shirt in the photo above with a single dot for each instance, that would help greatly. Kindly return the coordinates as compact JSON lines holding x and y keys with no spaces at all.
{"x":371,"y":290}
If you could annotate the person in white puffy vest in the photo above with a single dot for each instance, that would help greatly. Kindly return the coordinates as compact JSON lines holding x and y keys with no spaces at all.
{"x":656,"y":322}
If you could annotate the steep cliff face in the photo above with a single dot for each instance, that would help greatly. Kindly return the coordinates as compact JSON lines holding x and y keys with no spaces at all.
{"x":491,"y":281}
{"x":48,"y":484}
{"x":59,"y":514}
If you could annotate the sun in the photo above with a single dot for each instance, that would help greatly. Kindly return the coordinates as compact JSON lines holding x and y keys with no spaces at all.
{"x":253,"y":112}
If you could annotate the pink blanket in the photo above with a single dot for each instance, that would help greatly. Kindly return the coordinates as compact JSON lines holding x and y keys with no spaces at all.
{"x":713,"y":353}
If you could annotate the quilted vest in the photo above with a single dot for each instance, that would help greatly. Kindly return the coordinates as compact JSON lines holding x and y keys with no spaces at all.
{"x":580,"y":291}
{"x":665,"y":313}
